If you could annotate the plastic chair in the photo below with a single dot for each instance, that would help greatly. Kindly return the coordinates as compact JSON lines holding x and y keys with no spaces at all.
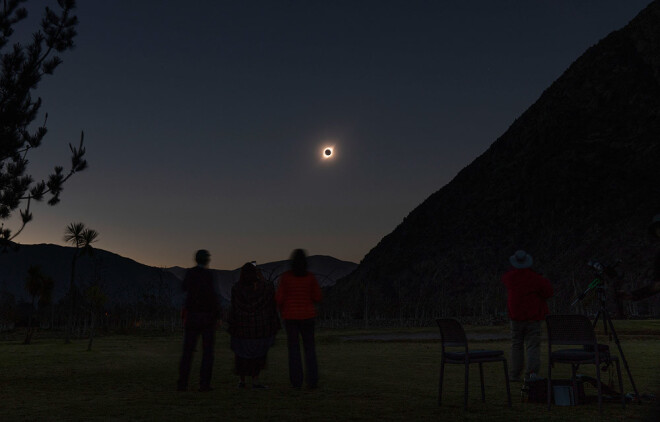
{"x":453,"y":335}
{"x":577,"y":330}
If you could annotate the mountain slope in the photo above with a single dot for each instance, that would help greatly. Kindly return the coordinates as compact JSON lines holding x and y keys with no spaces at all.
{"x":575,"y":177}
{"x":122,"y":279}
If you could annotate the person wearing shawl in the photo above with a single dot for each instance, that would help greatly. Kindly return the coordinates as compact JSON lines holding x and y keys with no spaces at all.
{"x":253,"y":323}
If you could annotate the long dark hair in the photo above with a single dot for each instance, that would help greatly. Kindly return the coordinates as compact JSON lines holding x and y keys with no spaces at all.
{"x":299,"y":263}
{"x":248,"y":274}
{"x":250,"y":293}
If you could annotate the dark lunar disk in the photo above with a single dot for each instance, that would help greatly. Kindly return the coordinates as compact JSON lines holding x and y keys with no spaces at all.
{"x":328,"y":152}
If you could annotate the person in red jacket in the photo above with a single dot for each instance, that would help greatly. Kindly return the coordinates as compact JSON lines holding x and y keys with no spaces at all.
{"x":527,"y":295}
{"x":297,"y":292}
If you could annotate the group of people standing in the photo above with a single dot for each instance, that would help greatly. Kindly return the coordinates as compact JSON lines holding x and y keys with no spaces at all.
{"x":253,"y":321}
{"x":253,"y":318}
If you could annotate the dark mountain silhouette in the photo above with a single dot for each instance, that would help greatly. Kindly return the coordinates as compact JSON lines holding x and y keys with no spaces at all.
{"x":575,"y":177}
{"x":125,"y":281}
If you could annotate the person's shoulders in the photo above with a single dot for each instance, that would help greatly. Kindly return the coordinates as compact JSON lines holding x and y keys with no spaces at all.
{"x":536,"y":274}
{"x":193,"y":270}
{"x":526,"y":271}
{"x":286,"y":275}
{"x":283,"y":279}
{"x":536,"y":278}
{"x":199,"y":273}
{"x":509,"y":273}
{"x":520,"y":274}
{"x":191,"y":273}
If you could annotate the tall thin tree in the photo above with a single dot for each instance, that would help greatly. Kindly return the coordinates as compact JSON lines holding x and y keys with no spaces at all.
{"x":81,"y":238}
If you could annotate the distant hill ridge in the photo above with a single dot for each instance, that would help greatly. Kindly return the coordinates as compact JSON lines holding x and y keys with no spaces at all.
{"x":575,"y":177}
{"x":326,"y":269}
{"x":125,"y":280}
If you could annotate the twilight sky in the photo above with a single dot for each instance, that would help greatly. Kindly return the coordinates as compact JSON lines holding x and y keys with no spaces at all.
{"x":205,"y":120}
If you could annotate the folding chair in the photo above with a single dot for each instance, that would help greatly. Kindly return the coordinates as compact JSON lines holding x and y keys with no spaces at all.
{"x":577,"y":330}
{"x":453,"y":335}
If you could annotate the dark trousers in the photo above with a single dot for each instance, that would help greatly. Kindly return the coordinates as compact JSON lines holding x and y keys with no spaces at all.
{"x":190,"y":336}
{"x":525,"y":335}
{"x":301,"y":328}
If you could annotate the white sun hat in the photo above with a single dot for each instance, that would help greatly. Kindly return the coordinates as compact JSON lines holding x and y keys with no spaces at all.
{"x":521,"y":259}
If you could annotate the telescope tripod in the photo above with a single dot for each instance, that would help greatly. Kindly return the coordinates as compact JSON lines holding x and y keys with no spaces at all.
{"x":608,"y":326}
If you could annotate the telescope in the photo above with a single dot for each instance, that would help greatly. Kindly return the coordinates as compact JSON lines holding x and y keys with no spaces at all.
{"x":596,"y":266}
{"x":598,"y":284}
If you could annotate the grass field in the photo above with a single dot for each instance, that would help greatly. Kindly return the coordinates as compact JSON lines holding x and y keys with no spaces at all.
{"x":134,"y":377}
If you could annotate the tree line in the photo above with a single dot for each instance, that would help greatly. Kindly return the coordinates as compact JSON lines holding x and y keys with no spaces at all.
{"x":417,"y":299}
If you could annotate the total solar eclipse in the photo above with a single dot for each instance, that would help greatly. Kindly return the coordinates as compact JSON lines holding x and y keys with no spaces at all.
{"x":327,"y":152}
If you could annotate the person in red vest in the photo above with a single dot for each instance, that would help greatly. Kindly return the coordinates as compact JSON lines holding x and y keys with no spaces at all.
{"x":527,"y":295}
{"x":297,"y":293}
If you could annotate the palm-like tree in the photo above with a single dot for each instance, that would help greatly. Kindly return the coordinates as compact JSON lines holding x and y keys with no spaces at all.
{"x":81,"y":238}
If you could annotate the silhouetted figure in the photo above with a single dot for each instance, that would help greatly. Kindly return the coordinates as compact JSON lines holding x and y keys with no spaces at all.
{"x":200,"y":318}
{"x":297,"y":292}
{"x":527,"y":295}
{"x":653,"y":288}
{"x":253,"y":323}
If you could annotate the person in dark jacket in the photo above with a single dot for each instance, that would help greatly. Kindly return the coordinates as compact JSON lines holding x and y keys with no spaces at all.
{"x":527,"y":294}
{"x":200,"y":319}
{"x":253,"y":323}
{"x":297,"y":292}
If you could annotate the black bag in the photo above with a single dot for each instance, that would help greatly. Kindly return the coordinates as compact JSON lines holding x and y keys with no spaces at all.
{"x":535,"y":391}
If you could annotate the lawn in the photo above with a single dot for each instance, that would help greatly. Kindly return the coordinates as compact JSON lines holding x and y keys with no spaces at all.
{"x":134,"y":377}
